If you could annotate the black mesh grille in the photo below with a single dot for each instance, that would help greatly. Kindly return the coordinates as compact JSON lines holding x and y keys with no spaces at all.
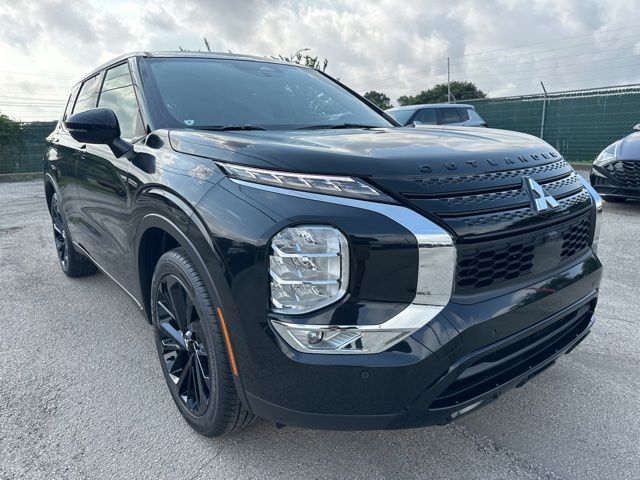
{"x":625,"y":172}
{"x":487,"y":267}
{"x":490,"y":263}
{"x":576,"y":238}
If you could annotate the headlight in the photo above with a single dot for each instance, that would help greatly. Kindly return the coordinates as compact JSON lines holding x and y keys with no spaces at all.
{"x":339,"y":186}
{"x":309,"y":268}
{"x":608,"y":155}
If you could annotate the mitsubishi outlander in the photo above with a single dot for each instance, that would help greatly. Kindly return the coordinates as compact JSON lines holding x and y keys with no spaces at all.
{"x":304,"y":258}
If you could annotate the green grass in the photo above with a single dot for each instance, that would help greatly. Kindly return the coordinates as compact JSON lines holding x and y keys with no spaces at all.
{"x":581,"y":163}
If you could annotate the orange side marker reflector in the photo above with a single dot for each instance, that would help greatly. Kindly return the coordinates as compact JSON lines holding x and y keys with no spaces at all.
{"x":227,"y":341}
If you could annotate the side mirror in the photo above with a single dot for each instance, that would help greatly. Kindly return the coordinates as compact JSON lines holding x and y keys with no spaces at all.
{"x":417,"y":122}
{"x":98,"y":126}
{"x":637,"y":127}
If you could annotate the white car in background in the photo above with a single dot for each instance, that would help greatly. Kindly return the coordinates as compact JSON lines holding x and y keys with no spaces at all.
{"x":438,"y":114}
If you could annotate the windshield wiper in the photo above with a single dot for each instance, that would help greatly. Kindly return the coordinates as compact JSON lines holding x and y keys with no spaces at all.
{"x":223,"y":128}
{"x":338,"y":126}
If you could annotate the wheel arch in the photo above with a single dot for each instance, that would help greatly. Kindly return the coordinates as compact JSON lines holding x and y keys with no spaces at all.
{"x":158,"y":233}
{"x":50,"y":188}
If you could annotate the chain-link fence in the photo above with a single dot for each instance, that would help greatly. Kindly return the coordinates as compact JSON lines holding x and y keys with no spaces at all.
{"x":22,"y":149}
{"x":579,"y":124}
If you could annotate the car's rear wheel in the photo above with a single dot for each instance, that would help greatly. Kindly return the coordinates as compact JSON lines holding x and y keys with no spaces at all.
{"x":192,"y":349}
{"x":73,"y":264}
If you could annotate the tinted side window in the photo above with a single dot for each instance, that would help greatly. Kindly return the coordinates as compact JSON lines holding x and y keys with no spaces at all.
{"x":449,"y":115}
{"x":70,"y":102}
{"x":426,"y":116}
{"x":117,"y":77}
{"x":118,"y":95}
{"x":464,"y":114}
{"x":87,"y":97}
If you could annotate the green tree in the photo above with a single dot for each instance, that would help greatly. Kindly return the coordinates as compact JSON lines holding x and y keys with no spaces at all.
{"x":437,"y":94}
{"x":379,"y":99}
{"x":10,"y":131}
{"x":306,"y":60}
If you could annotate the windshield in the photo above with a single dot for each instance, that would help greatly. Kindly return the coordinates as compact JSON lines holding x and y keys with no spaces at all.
{"x":214,"y":93}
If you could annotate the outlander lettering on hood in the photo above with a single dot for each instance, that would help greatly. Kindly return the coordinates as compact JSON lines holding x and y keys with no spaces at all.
{"x":523,"y":159}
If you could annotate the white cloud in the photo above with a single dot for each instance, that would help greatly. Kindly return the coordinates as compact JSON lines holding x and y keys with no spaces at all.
{"x":395,"y":46}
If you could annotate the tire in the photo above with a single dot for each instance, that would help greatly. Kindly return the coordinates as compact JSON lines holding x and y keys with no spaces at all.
{"x":73,"y":263}
{"x":614,"y":199}
{"x":191,"y":347}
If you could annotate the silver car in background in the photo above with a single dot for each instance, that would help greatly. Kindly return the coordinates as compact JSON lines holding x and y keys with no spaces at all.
{"x":438,"y":114}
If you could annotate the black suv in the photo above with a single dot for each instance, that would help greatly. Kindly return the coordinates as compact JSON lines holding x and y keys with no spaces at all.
{"x":305,"y":259}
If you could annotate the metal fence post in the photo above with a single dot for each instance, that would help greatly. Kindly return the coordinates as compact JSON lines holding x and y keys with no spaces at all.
{"x":544,"y":111}
{"x":448,"y":82}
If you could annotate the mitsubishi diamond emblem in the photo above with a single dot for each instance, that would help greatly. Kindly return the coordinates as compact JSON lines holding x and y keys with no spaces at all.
{"x":541,"y":201}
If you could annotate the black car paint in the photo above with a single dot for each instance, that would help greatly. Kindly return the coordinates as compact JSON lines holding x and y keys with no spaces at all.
{"x":603,"y":178}
{"x":115,"y":208}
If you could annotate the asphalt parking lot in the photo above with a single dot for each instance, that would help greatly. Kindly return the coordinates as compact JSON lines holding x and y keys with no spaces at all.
{"x":83,"y":395}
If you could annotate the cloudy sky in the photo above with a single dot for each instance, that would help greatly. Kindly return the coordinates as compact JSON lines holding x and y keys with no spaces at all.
{"x":395,"y":46}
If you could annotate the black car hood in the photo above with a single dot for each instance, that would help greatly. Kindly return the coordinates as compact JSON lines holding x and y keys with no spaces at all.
{"x":629,"y":147}
{"x":376,"y":152}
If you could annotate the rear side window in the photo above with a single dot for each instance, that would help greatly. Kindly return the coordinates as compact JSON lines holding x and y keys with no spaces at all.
{"x":464,"y":114}
{"x":87,"y":96}
{"x":426,"y":116}
{"x":118,"y":95}
{"x":448,"y":115}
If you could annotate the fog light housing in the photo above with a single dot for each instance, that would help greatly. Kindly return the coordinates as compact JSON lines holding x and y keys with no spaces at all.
{"x":340,"y":339}
{"x":309,"y":268}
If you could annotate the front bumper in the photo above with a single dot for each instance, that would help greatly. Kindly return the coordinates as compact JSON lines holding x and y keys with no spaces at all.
{"x":416,"y":381}
{"x":465,"y":358}
{"x":620,"y":179}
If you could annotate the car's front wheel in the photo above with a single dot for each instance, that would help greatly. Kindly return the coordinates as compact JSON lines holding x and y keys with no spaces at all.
{"x":192,"y":350}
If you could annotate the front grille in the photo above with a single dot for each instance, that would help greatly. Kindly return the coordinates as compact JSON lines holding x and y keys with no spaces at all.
{"x":499,"y":237}
{"x":456,"y":181}
{"x":485,"y":264}
{"x":625,"y":172}
{"x":480,"y":268}
{"x":576,"y":238}
{"x":502,"y":365}
{"x":472,"y":223}
{"x":517,"y":194}
{"x":478,"y":206}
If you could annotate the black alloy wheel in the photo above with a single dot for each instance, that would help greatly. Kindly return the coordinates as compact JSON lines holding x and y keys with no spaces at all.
{"x":191,"y":347}
{"x":183,"y":344}
{"x":73,"y":264}
{"x":59,"y":235}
